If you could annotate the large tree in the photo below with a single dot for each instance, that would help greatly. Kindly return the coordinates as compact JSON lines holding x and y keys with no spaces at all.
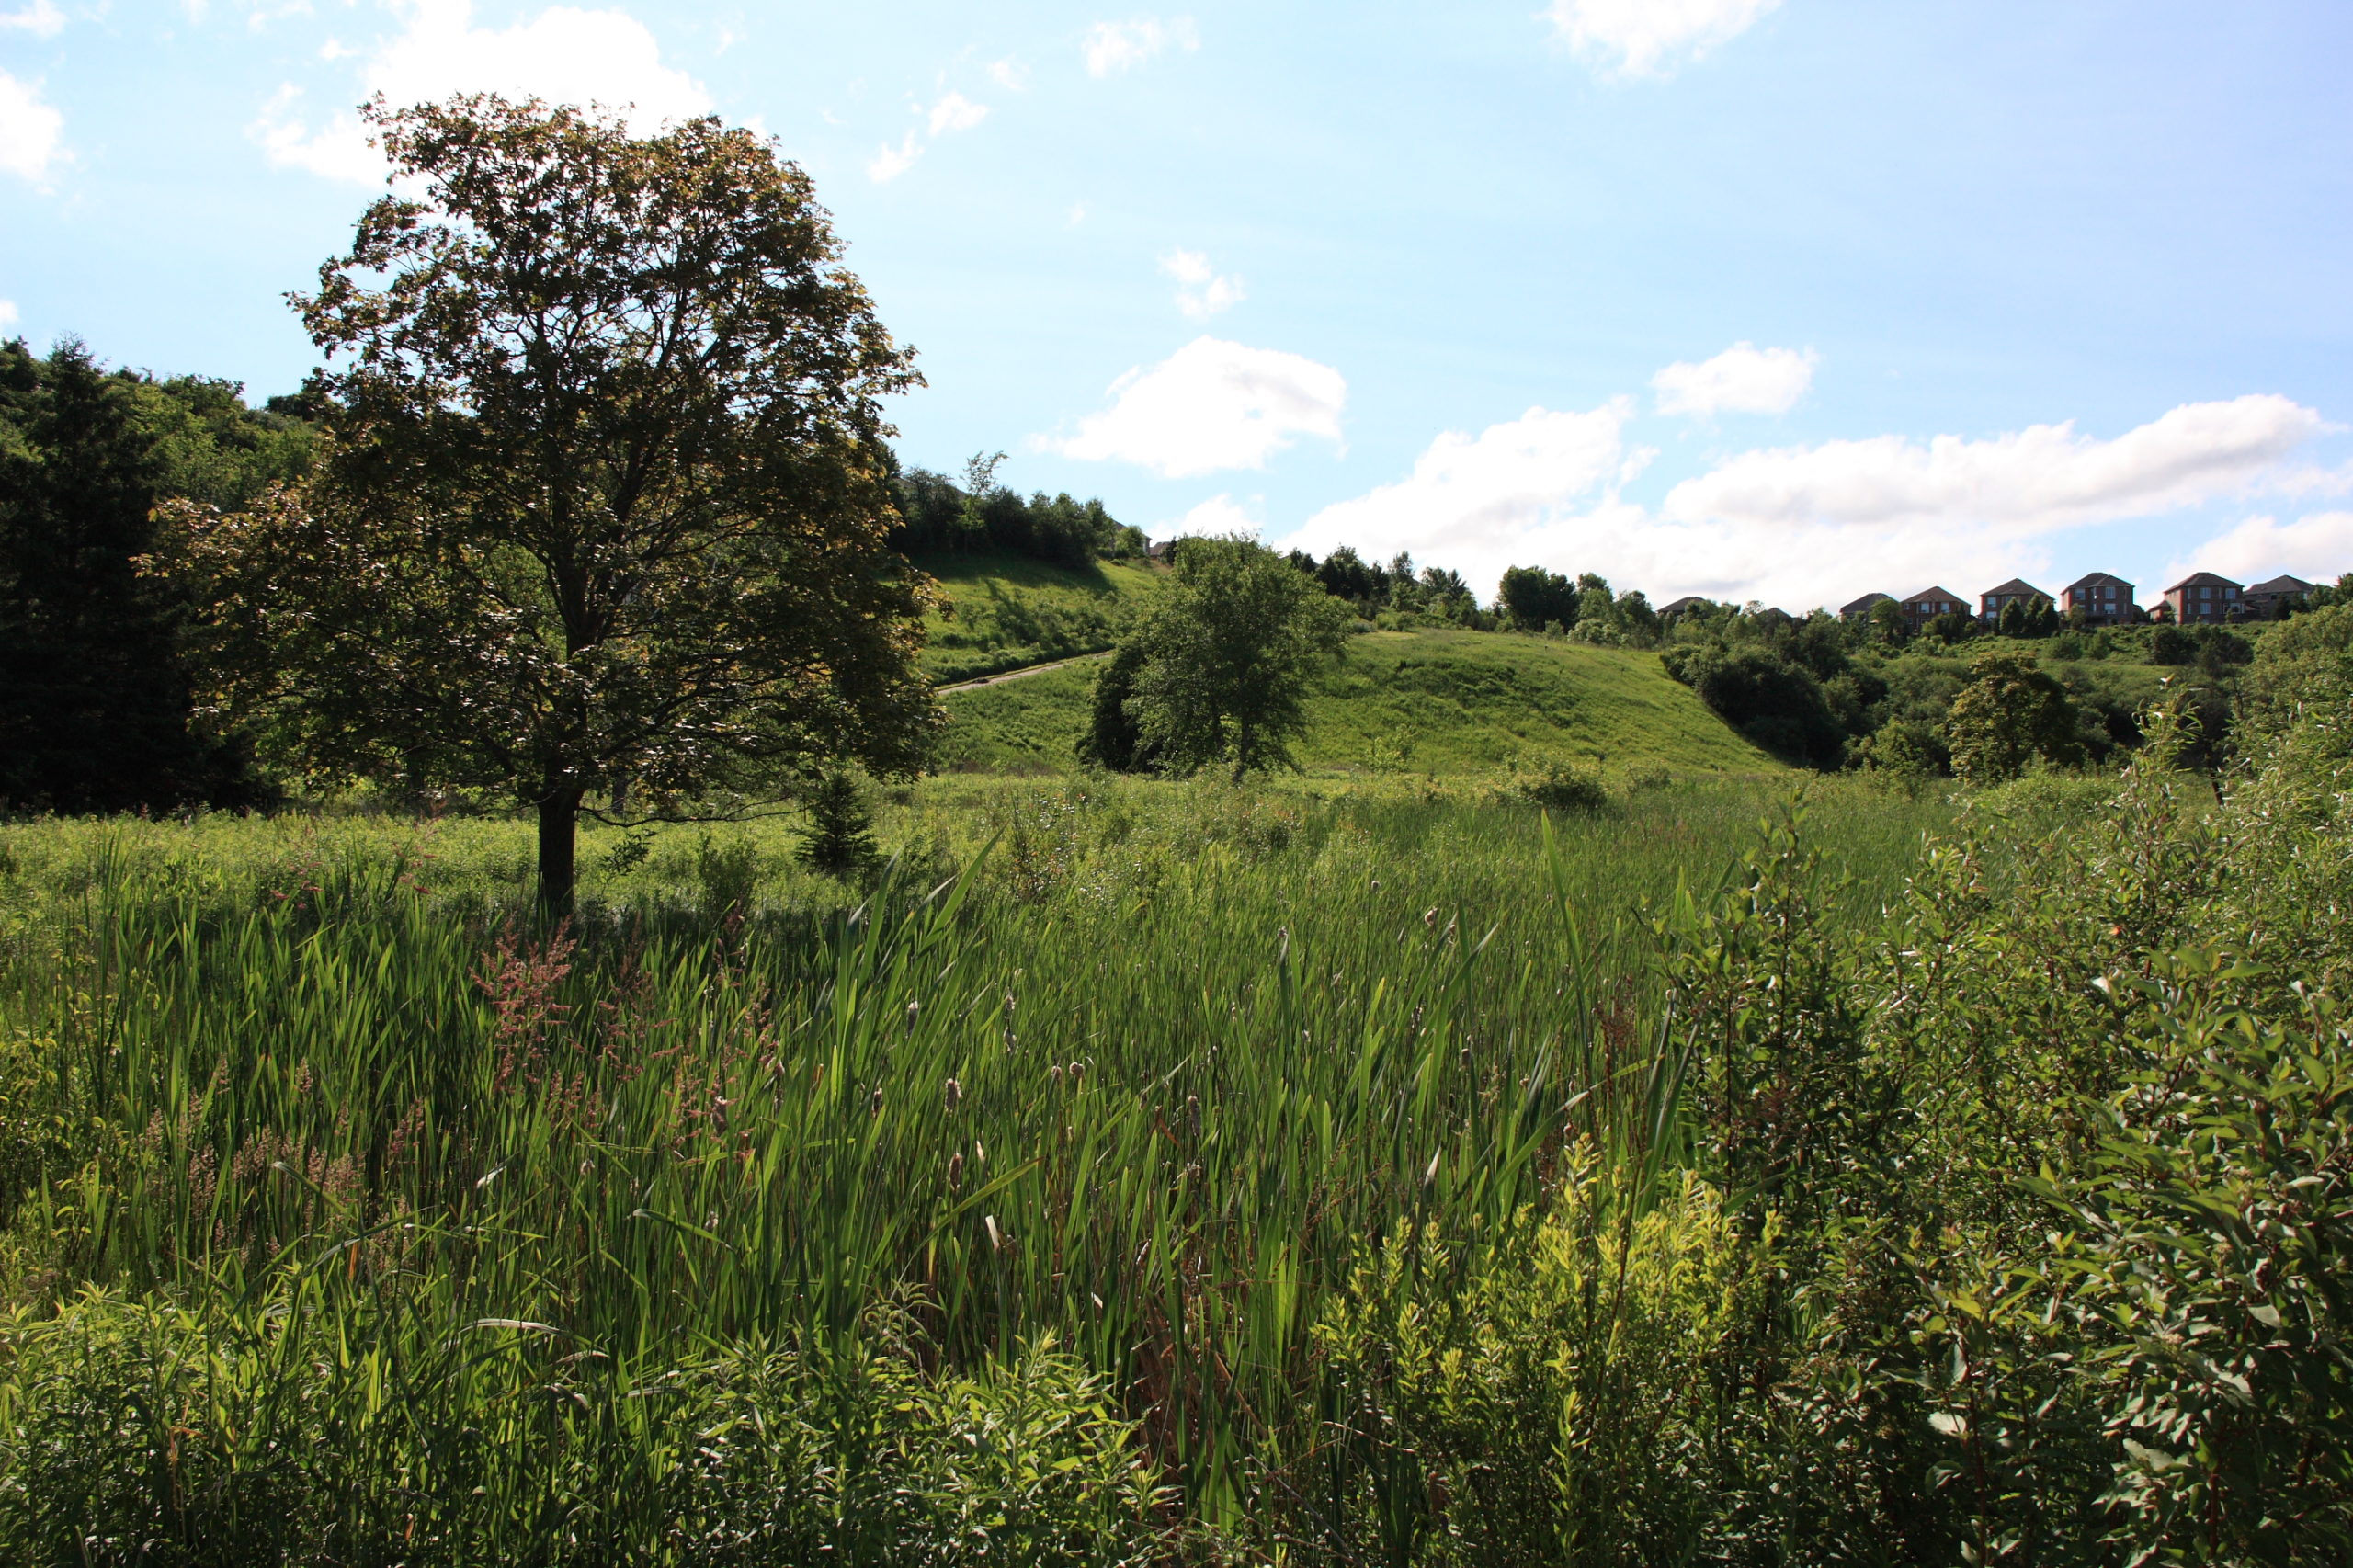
{"x":1230,"y":650}
{"x":604,"y":508}
{"x":2011,"y":714}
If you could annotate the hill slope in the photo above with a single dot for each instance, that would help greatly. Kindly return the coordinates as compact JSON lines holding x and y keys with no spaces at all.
{"x":1436,"y":702}
{"x":1010,"y":612}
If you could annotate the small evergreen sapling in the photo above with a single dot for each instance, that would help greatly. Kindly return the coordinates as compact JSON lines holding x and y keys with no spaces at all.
{"x":839,"y":839}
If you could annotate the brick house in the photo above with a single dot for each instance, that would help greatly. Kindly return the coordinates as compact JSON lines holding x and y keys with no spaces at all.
{"x":2101,"y":599}
{"x":2268,"y":601}
{"x":1929,"y":603}
{"x":1858,"y":608}
{"x":2016,"y":591}
{"x":2204,"y":598}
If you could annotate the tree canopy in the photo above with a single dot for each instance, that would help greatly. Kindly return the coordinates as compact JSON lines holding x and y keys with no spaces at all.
{"x":1229,"y":653}
{"x":605,"y":504}
{"x":2011,"y":715}
{"x":97,"y":712}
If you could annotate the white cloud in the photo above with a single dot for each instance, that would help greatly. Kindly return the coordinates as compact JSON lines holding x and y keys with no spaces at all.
{"x":1473,"y":501}
{"x":1010,"y":74}
{"x":563,"y":55}
{"x":7,"y":313}
{"x":2318,"y":548}
{"x":41,"y":19}
{"x":2032,"y":480}
{"x":1201,"y":291}
{"x":956,"y":112}
{"x":1818,"y":526}
{"x":1218,"y":514}
{"x":31,"y":133}
{"x":889,"y":162}
{"x":1651,"y":37}
{"x":1112,"y":46}
{"x":1211,"y":405}
{"x":1743,"y":379}
{"x":1077,"y":213}
{"x":952,"y":113}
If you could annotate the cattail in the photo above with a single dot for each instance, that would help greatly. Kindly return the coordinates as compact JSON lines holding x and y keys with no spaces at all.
{"x":956,"y":1170}
{"x":914,"y":1008}
{"x":877,"y":1102}
{"x":954,"y":1094}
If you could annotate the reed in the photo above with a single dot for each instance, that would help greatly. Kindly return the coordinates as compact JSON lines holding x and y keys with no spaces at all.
{"x":1114,"y":1107}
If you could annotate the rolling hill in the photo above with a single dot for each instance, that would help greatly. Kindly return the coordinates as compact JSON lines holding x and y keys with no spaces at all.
{"x":1009,"y":611}
{"x":1436,"y":702}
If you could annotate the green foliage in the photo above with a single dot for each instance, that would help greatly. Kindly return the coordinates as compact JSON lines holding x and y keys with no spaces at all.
{"x":96,"y":710}
{"x":605,"y":504}
{"x":1533,"y":598}
{"x":1230,"y":650}
{"x":1401,"y":1179}
{"x":1567,"y":787}
{"x":938,"y":516}
{"x":2011,"y":715}
{"x":1113,"y":738}
{"x":1777,"y":703}
{"x":1550,"y":1386}
{"x":839,"y":840}
{"x":136,"y":1433}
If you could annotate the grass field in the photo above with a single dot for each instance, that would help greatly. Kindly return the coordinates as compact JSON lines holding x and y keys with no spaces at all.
{"x":1141,"y":1171}
{"x":1009,"y":611}
{"x":1429,"y":704}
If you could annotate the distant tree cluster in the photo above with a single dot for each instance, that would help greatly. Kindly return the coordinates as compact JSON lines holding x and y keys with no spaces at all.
{"x":939,"y":515}
{"x":1399,"y":588}
{"x":96,"y":712}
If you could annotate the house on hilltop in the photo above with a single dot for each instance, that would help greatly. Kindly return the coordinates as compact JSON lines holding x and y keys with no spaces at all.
{"x":2098,"y":599}
{"x":1855,"y":609}
{"x":1674,"y":607}
{"x":2270,"y":601}
{"x":1929,"y":603}
{"x":2016,"y":591}
{"x":2203,"y":597}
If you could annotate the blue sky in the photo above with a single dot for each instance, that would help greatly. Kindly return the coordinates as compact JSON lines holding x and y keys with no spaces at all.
{"x":1781,"y":299}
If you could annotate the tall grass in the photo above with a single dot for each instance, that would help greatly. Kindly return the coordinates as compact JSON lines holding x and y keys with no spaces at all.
{"x":1137,"y":1089}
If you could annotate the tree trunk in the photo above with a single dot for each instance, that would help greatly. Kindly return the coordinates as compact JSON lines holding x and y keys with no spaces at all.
{"x":559,"y":821}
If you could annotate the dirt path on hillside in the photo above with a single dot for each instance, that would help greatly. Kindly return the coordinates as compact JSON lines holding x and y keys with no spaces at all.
{"x":1003,"y":676}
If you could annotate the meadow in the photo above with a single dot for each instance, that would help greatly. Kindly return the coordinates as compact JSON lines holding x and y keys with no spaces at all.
{"x":1132,"y":1171}
{"x":1432,"y":703}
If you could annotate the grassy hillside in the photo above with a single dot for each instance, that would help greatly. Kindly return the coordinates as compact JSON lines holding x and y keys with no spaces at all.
{"x":1009,"y":611}
{"x":1423,"y":702}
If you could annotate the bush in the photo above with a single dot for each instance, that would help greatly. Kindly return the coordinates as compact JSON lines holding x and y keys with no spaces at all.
{"x":138,"y":1433}
{"x":1777,"y":704}
{"x":1567,"y":788}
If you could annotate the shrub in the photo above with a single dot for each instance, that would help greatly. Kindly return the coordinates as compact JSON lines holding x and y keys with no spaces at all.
{"x":839,"y":839}
{"x":1567,"y":788}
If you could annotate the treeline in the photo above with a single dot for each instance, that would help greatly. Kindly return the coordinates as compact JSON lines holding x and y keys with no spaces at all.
{"x":1874,"y":692}
{"x":95,"y":707}
{"x":96,"y":711}
{"x":937,"y":516}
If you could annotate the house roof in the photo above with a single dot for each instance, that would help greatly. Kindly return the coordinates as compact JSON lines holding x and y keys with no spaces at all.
{"x":2202,"y":580}
{"x":2018,"y":587}
{"x":2097,"y":580}
{"x":1676,"y":606}
{"x":2282,"y":584}
{"x":1855,"y":606}
{"x":1936,"y":594}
